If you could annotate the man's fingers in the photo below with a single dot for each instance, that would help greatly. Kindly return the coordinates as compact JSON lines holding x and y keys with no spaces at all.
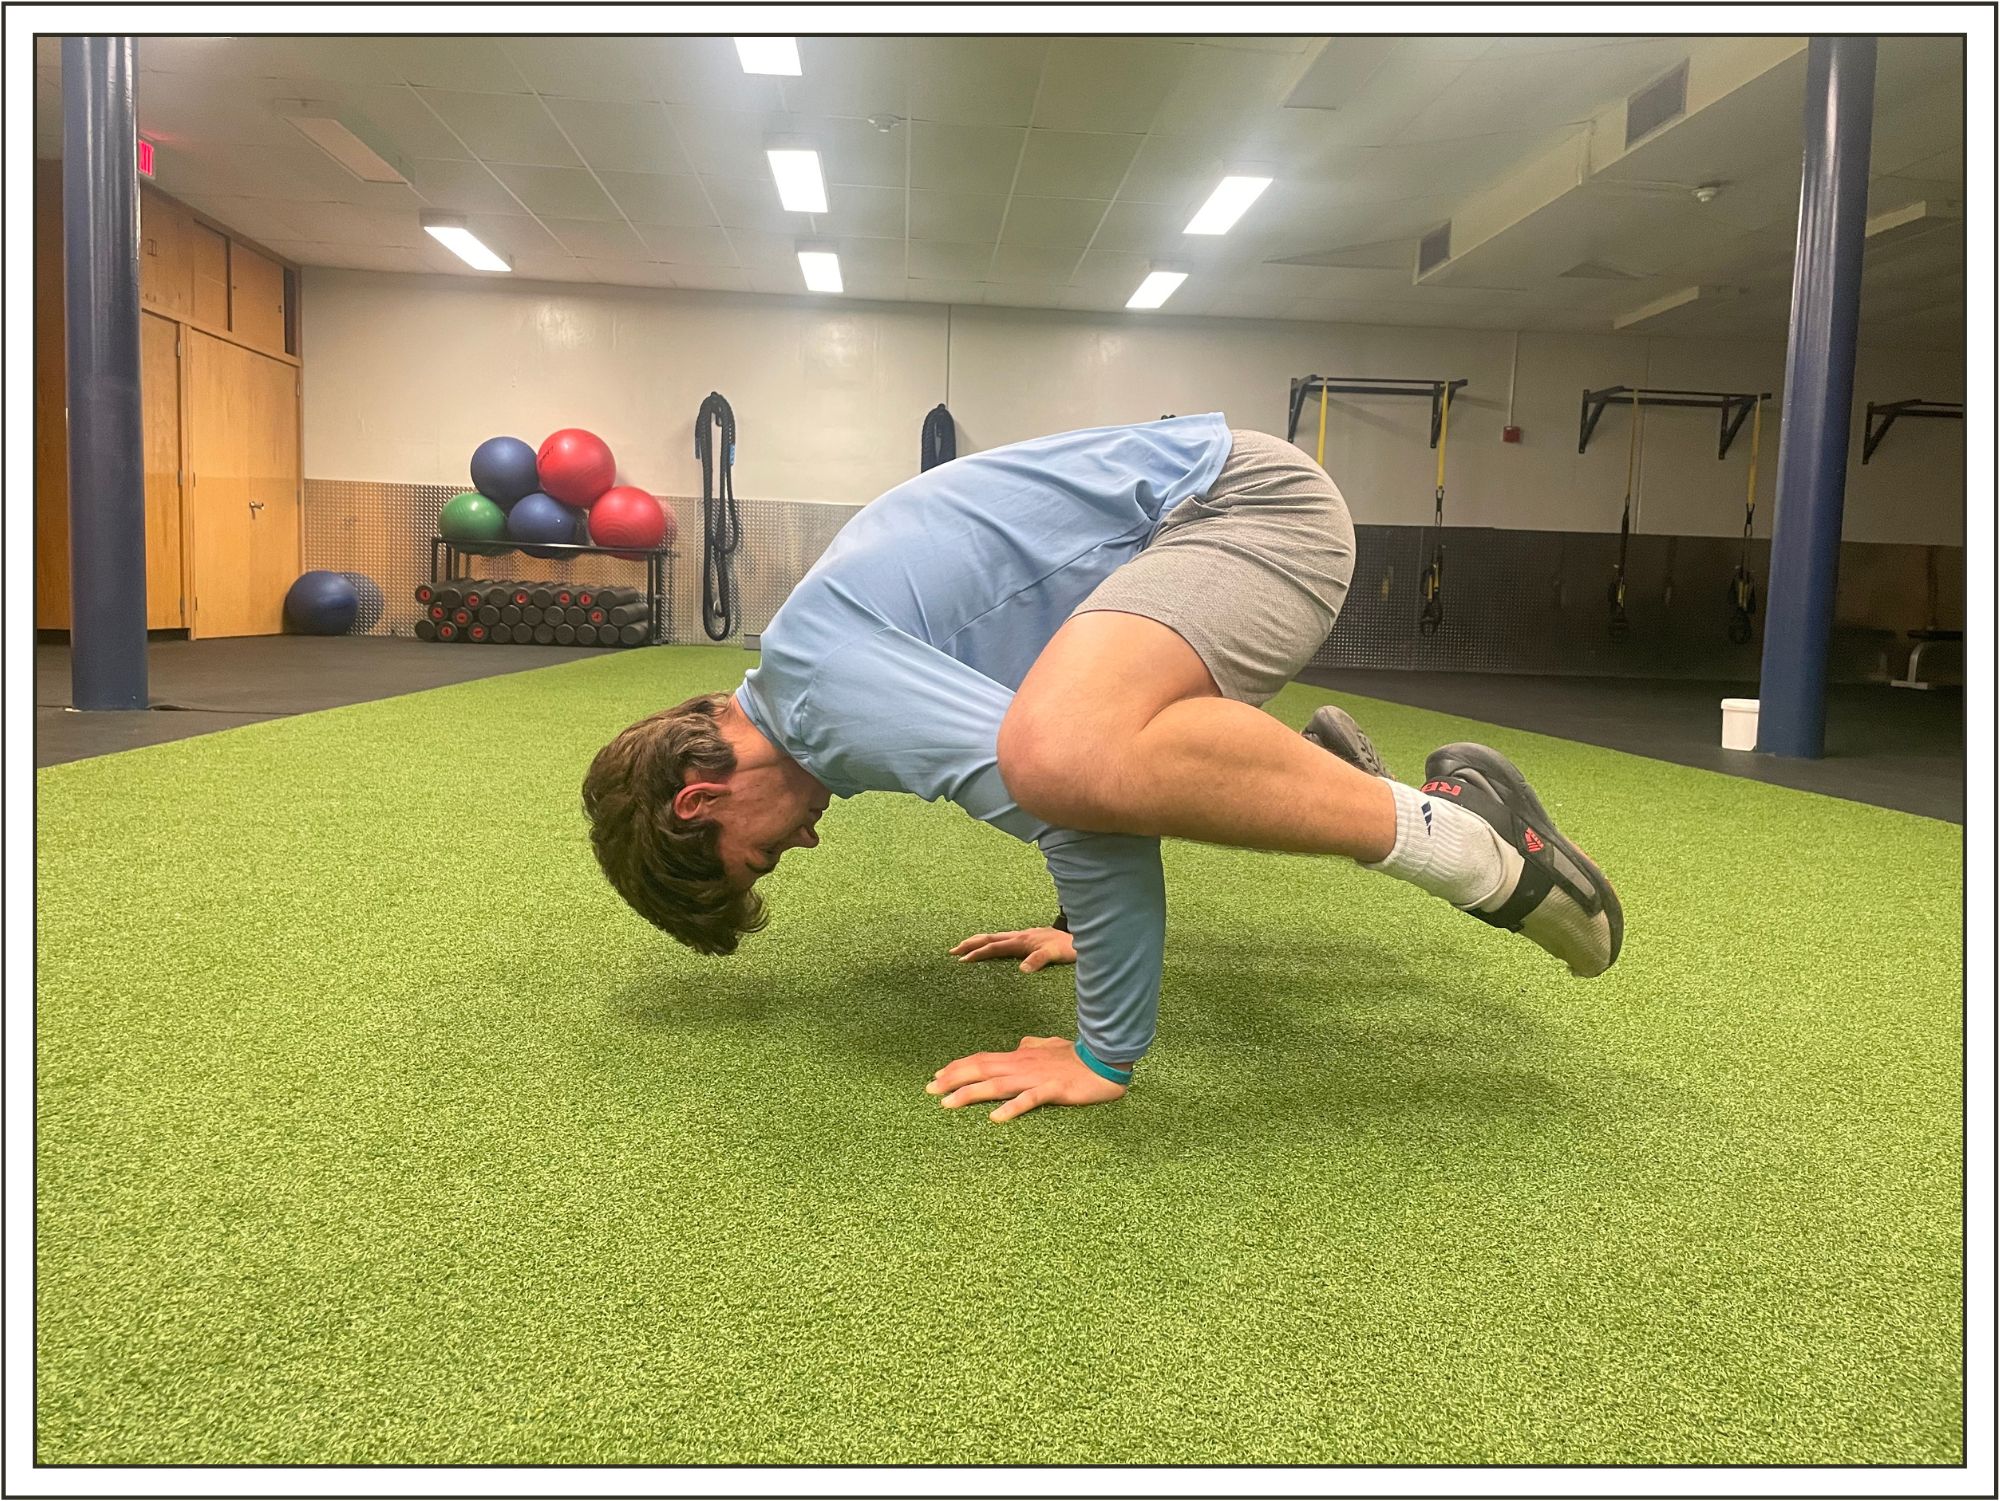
{"x":1021,"y":1104}
{"x":984,"y":1089}
{"x":960,"y":1071}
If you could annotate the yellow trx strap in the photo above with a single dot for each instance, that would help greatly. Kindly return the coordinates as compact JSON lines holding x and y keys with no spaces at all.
{"x":1432,"y":616}
{"x":1743,"y":587}
{"x":1319,"y":457}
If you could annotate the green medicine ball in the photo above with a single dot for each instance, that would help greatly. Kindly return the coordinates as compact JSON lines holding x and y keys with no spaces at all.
{"x":472,"y":518}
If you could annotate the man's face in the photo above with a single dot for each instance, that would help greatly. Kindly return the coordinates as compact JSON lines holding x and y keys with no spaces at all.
{"x":765,"y":815}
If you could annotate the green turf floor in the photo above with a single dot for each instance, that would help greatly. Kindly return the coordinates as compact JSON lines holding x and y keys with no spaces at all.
{"x":374,"y":1129}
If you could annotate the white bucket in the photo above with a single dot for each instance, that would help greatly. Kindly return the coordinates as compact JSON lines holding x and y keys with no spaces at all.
{"x":1739,"y":724}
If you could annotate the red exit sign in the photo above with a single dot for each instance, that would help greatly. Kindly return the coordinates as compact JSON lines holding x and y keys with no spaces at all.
{"x":145,"y":157}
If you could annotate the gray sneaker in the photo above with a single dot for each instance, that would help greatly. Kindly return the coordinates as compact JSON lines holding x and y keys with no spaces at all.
{"x":1552,"y":892}
{"x":1333,"y":729}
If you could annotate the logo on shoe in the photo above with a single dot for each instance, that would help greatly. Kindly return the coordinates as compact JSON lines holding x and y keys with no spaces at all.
{"x":1534,"y":844}
{"x":1449,"y":789}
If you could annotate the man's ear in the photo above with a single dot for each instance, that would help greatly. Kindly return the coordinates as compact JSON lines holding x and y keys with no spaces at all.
{"x":699,"y":800}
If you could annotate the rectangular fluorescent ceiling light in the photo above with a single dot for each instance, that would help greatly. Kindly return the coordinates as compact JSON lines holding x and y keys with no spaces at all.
{"x":339,"y":141}
{"x":822,"y":269}
{"x":800,"y":187}
{"x":769,"y":54}
{"x":464,"y":244}
{"x":1157,"y":288}
{"x":1226,"y":205}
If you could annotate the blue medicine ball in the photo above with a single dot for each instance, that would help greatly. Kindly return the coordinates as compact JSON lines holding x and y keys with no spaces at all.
{"x":368,"y":613}
{"x":503,"y":470}
{"x":321,"y":604}
{"x":540,"y":518}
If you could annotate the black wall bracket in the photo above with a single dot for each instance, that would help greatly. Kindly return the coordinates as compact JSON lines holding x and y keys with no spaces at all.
{"x":1735,"y":406}
{"x":1355,"y":385}
{"x":1882,"y":416}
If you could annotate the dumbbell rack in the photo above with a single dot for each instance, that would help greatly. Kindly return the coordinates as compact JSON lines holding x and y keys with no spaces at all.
{"x":448,"y":561}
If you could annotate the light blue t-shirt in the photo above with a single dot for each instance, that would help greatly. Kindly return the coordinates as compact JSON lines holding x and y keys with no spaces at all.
{"x":891,"y":665}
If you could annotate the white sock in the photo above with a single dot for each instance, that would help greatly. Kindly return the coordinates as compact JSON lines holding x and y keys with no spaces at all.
{"x":1442,"y":848}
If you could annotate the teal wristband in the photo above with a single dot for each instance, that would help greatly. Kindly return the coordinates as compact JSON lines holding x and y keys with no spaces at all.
{"x":1099,"y":1067}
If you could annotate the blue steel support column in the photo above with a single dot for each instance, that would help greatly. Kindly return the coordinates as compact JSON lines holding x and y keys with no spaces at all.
{"x":1819,"y":396}
{"x":107,"y":463}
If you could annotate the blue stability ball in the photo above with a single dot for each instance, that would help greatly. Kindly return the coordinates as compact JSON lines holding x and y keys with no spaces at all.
{"x":321,"y":604}
{"x":368,"y":593}
{"x":540,"y":518}
{"x":503,"y":470}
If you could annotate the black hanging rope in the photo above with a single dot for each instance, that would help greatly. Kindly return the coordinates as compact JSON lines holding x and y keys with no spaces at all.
{"x":1432,"y":583}
{"x":722,"y":528}
{"x":1619,"y":626}
{"x":940,"y":438}
{"x":1743,"y":586}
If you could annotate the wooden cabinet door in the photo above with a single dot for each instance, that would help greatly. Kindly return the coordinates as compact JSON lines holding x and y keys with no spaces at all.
{"x":243,"y":487}
{"x":160,"y":396}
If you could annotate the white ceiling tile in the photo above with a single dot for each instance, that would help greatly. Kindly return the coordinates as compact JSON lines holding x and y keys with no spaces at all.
{"x":875,"y":258}
{"x":761,"y":252}
{"x":1015,"y":264}
{"x":620,"y":137}
{"x":462,"y":188}
{"x":1052,"y":223}
{"x":851,"y":76}
{"x":627,"y":273}
{"x":1224,"y":91}
{"x":741,"y":204}
{"x":338,"y":224}
{"x":1416,"y":71}
{"x":515,"y":235}
{"x":1109,"y":273}
{"x":964,"y":158}
{"x":705,"y":71}
{"x":298,"y":173}
{"x":1066,"y":164}
{"x":1146,"y":228}
{"x":1285,"y":44}
{"x":184,"y":108}
{"x":406,"y":123}
{"x":871,"y":286}
{"x":1174,"y":169}
{"x":512,"y":128}
{"x":1115,"y":84}
{"x":347,"y":59}
{"x":778,"y":281}
{"x":461,"y":64}
{"x":685,"y":246}
{"x":712,"y":278}
{"x":975,"y":80}
{"x":876,"y":213}
{"x":961,"y":218}
{"x":557,"y":192}
{"x":362,"y":257}
{"x":677,"y":201}
{"x":595,"y":240}
{"x":625,"y":69}
{"x":730,"y":143}
{"x":854,"y":153}
{"x":932,"y":261}
{"x":545,"y":265}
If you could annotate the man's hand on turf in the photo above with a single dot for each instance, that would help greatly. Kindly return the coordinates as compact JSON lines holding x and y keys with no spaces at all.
{"x":1041,"y":1071}
{"x":1036,"y":948}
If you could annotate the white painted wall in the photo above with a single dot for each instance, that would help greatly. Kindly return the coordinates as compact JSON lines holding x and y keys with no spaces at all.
{"x":405,"y":375}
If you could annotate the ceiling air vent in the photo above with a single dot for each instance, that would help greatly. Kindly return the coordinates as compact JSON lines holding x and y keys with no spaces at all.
{"x":1434,"y":249}
{"x":1655,"y":104}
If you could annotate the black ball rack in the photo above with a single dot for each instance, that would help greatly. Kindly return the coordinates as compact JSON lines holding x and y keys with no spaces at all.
{"x":448,"y":557}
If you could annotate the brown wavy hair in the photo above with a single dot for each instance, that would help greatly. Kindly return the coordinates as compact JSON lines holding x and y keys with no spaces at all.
{"x":669,"y":869}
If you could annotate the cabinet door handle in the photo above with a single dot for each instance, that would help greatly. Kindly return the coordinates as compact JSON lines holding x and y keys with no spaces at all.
{"x":256,"y":506}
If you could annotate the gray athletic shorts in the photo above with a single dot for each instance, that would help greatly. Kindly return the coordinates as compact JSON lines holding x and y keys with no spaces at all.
{"x":1252,"y":574}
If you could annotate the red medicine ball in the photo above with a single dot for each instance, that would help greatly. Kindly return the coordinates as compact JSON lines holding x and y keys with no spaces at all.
{"x":575,"y":466}
{"x":627,"y":516}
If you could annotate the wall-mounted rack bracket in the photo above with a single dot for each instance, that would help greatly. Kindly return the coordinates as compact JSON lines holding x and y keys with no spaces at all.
{"x":1735,"y":407}
{"x":1304,"y":386}
{"x":1882,"y":416}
